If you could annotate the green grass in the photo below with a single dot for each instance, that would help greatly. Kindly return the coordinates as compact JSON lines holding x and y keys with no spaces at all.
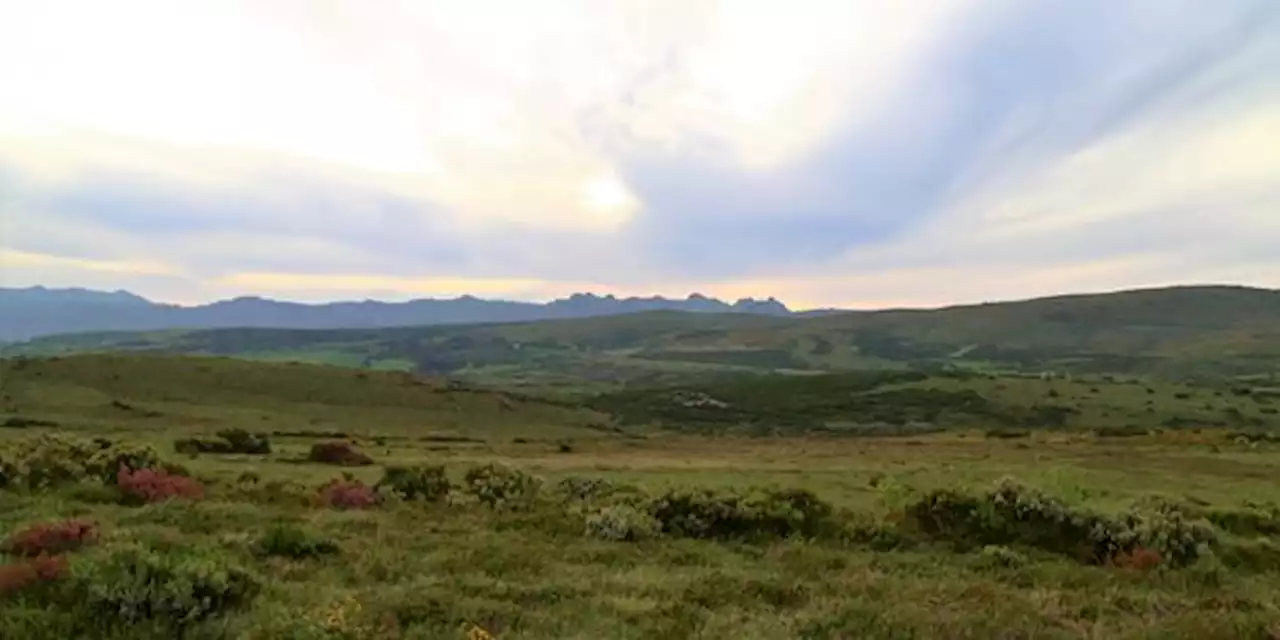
{"x":427,"y":570}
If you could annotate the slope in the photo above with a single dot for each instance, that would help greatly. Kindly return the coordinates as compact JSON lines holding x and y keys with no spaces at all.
{"x":199,"y":394}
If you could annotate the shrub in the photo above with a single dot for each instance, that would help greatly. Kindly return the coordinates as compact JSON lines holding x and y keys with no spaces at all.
{"x":51,"y":538}
{"x":1013,"y":514}
{"x":341,"y":493}
{"x":156,"y":485}
{"x":622,"y":523}
{"x":294,"y":542}
{"x":498,"y":485}
{"x":710,"y":514}
{"x":107,"y":464}
{"x":27,"y":574}
{"x":427,"y":482}
{"x":172,"y":590}
{"x":338,"y":453}
{"x":44,"y":462}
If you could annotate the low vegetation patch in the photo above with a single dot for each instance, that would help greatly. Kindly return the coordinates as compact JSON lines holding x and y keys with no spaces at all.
{"x":343,"y":454}
{"x":51,"y":538}
{"x":290,"y":541}
{"x":228,"y":441}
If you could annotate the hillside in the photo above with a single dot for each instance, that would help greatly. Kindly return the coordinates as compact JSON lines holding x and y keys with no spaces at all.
{"x":38,"y":311}
{"x":107,"y":393}
{"x":1174,"y":332}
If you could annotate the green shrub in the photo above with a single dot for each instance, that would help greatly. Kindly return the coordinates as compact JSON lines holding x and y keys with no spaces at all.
{"x":710,"y":514}
{"x":107,"y":463}
{"x":426,"y":482}
{"x":1013,"y":514}
{"x":171,"y":590}
{"x":622,"y":523}
{"x":294,"y":542}
{"x":497,"y":485}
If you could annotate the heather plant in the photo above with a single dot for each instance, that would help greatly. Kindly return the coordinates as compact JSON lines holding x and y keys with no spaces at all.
{"x":156,"y":485}
{"x":29,"y":574}
{"x":426,"y":482}
{"x":50,"y":538}
{"x":343,"y":454}
{"x":500,"y":486}
{"x":342,"y":493}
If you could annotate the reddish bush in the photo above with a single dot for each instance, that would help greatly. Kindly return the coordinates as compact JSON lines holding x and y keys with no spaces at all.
{"x":27,"y":573}
{"x":157,"y":485}
{"x":51,"y":538}
{"x":1140,"y":559}
{"x":347,"y":494}
{"x":339,"y":453}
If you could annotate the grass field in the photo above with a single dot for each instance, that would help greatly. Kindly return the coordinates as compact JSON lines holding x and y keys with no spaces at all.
{"x":267,"y":552}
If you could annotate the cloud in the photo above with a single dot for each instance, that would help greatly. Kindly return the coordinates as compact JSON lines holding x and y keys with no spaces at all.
{"x":824,"y":152}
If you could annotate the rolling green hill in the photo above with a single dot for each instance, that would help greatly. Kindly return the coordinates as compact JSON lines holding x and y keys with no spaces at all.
{"x":167,"y":394}
{"x":1182,"y":332}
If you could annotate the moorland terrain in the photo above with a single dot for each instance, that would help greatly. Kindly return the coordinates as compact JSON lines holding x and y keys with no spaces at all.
{"x":1078,"y":467}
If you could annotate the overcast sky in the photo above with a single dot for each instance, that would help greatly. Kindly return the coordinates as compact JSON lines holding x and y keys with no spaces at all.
{"x":843,"y":153}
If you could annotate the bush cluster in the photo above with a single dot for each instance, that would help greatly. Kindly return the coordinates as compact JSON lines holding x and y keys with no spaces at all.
{"x":427,"y":482}
{"x":226,"y":441}
{"x":173,"y":590}
{"x":500,"y":486}
{"x":711,"y":514}
{"x":51,"y":461}
{"x":622,"y":523}
{"x":51,"y":538}
{"x":1013,"y":514}
{"x":343,"y":454}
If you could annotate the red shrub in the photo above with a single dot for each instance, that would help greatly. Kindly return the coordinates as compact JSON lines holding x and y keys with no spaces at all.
{"x":1140,"y":559}
{"x":51,"y":538}
{"x":339,"y":453}
{"x":157,"y":485}
{"x":344,"y":494}
{"x":22,"y":575}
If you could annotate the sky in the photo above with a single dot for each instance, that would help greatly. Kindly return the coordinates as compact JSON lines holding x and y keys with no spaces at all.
{"x":837,"y":153}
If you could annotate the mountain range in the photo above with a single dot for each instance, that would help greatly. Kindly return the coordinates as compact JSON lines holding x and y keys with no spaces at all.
{"x":38,"y":311}
{"x":1173,"y":332}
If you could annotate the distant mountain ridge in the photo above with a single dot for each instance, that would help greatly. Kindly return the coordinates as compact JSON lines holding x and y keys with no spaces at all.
{"x":39,"y":311}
